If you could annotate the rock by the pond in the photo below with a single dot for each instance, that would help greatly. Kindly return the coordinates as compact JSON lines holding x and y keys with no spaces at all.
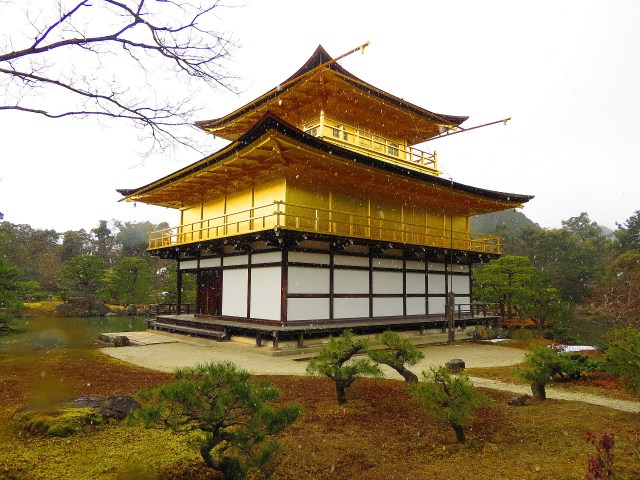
{"x":73,"y":415}
{"x":456,"y":365}
{"x":120,"y":341}
{"x":116,"y":407}
{"x":519,"y":401}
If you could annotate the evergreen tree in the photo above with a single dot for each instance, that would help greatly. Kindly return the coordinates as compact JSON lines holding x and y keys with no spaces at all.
{"x":628,"y":234}
{"x":451,"y":399}
{"x":502,"y":280}
{"x":231,"y":412}
{"x":130,"y":281}
{"x":336,"y":362}
{"x":398,"y":353}
{"x":85,"y":276}
{"x":10,"y":290}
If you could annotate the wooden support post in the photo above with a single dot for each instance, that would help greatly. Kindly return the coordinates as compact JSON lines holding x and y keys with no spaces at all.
{"x":450,"y":314}
{"x":258,"y":339}
{"x":275,"y":340}
{"x":179,"y":288}
{"x":422,"y":329}
{"x":300,"y":339}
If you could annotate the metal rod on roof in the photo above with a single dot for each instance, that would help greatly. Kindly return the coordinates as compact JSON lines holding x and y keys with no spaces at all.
{"x":322,"y":65}
{"x":361,"y":48}
{"x":463,"y":130}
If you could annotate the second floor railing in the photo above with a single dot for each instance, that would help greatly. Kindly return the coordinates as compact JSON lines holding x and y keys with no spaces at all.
{"x":303,"y":218}
{"x":373,"y":144}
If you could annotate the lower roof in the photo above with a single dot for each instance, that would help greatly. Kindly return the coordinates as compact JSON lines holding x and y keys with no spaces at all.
{"x":258,"y":154}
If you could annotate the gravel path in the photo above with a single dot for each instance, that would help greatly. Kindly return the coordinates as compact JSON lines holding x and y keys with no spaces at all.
{"x":623,"y":405}
{"x":188,"y":351}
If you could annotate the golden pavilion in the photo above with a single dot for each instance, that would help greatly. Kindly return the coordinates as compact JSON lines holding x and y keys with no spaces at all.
{"x":321,"y":213}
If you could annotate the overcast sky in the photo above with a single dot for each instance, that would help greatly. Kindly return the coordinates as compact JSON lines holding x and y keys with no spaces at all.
{"x":568,"y":72}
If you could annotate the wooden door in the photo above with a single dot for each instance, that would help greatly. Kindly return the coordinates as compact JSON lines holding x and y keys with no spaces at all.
{"x":209,"y":301}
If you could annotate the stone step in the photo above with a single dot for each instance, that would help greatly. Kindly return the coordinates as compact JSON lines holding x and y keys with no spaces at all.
{"x":205,"y":332}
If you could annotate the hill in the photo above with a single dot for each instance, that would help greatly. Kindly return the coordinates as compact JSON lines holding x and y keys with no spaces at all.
{"x":509,"y":220}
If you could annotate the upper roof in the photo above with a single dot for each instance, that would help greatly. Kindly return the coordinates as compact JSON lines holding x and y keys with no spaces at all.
{"x":322,"y":84}
{"x":272,"y":148}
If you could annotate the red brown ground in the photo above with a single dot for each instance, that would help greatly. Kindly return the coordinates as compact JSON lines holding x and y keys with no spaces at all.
{"x":382,"y":433}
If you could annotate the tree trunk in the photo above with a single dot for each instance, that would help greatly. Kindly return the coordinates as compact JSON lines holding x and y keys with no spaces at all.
{"x":341,"y":390}
{"x":407,"y":374}
{"x":460,"y":436}
{"x":540,"y":324}
{"x":538,"y":391}
{"x":205,"y":451}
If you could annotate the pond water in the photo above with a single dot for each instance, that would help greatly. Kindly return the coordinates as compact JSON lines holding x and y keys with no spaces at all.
{"x":51,"y":332}
{"x":585,"y":331}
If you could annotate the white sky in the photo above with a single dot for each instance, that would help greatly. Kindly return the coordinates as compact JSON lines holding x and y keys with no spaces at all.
{"x":568,"y":72}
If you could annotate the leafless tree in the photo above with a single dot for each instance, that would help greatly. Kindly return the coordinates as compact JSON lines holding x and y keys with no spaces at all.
{"x":137,"y":60}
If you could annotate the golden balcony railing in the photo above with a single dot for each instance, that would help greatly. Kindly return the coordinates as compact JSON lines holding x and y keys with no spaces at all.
{"x":373,"y":144}
{"x":319,"y":220}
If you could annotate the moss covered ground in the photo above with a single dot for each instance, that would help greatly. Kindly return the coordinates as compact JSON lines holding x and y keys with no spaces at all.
{"x":381,"y":433}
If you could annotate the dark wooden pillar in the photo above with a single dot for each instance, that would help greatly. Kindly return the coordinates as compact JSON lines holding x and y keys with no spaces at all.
{"x":249,"y":283}
{"x":450,"y":314}
{"x":331,"y":281}
{"x":179,"y":287}
{"x":446,"y":293}
{"x":404,"y":283}
{"x":370,"y":283}
{"x":284,"y":287}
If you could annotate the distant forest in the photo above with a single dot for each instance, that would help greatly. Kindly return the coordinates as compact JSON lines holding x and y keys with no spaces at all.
{"x":590,"y":265}
{"x":584,"y":261}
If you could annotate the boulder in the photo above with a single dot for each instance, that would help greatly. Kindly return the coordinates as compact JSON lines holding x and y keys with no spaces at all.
{"x":519,"y":401}
{"x":114,"y":406}
{"x":120,"y":341}
{"x":73,"y":415}
{"x":456,"y":365}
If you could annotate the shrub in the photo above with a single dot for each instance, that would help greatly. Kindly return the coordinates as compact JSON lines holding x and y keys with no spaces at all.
{"x":540,"y":364}
{"x":600,"y":465}
{"x":484,"y":333}
{"x":335,"y":362}
{"x":622,"y":356}
{"x":574,"y":364}
{"x":559,"y":334}
{"x":229,"y":414}
{"x":451,"y":399}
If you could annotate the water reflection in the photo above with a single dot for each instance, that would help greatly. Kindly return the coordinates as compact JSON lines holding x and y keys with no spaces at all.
{"x":52,"y":332}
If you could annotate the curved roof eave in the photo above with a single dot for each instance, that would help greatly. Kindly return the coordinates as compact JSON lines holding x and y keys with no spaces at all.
{"x":271,"y":122}
{"x":318,"y":58}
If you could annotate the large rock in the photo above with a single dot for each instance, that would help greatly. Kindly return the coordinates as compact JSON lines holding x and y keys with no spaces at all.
{"x":72,"y":416}
{"x":117,"y":407}
{"x":456,"y":365}
{"x":519,"y":401}
{"x":120,"y":341}
{"x":82,"y":307}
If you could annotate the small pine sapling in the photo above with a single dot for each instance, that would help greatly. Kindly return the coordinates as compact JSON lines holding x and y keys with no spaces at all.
{"x":231,"y":413}
{"x":451,"y":399}
{"x":335,"y":362}
{"x":399,"y":352}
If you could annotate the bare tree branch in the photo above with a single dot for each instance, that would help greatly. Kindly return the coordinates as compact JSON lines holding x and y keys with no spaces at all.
{"x":133,"y":46}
